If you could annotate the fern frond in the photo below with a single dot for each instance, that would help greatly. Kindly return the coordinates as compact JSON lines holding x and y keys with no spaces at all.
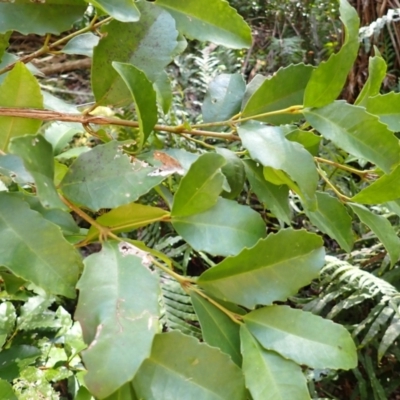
{"x":177,"y":311}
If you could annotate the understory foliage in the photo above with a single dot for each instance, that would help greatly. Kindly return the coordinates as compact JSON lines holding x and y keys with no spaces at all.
{"x":149,"y":253}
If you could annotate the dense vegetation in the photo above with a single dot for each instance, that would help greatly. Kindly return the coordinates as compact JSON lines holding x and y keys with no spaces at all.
{"x":201,"y":230}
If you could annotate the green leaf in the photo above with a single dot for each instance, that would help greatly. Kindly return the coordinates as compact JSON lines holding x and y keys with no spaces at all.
{"x":303,"y":337}
{"x":328,"y":79}
{"x":82,"y":44}
{"x":284,"y":89}
{"x":13,"y":167}
{"x":37,"y":155}
{"x":382,"y":229}
{"x":275,"y":198}
{"x":358,"y":132}
{"x":124,"y":11}
{"x":53,"y":16}
{"x":272,"y":270}
{"x":4,"y":38}
{"x":21,"y":90}
{"x":224,"y":229}
{"x":269,"y":376}
{"x":386,"y":188}
{"x":377,"y":72}
{"x":217,"y":328}
{"x":6,"y":391}
{"x":209,"y":20}
{"x":339,"y":227}
{"x":105,"y":178}
{"x":7,"y":321}
{"x":233,"y":171}
{"x":386,"y":107}
{"x":125,"y":392}
{"x":118,"y":311}
{"x":268,"y":145}
{"x":252,"y":87}
{"x":308,"y":139}
{"x":35,"y":250}
{"x":128,"y":217}
{"x":391,"y":334}
{"x":133,"y":43}
{"x":223,"y":97}
{"x":200,"y":187}
{"x":162,"y":86}
{"x":181,"y":367}
{"x":143,"y":96}
{"x":15,"y":359}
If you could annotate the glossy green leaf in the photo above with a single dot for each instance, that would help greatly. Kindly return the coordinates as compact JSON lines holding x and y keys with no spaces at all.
{"x":143,"y":96}
{"x":121,"y":10}
{"x":35,"y":250}
{"x":233,"y":171}
{"x":386,"y":188}
{"x":200,"y":187}
{"x":303,"y":337}
{"x":274,"y":198}
{"x":339,"y":227}
{"x":132,"y":43}
{"x":37,"y":155}
{"x":224,"y":229}
{"x":328,"y":79}
{"x":308,"y":139}
{"x":272,"y":270}
{"x":15,"y":359}
{"x":118,"y":311}
{"x":125,"y":392}
{"x":4,"y":38}
{"x":382,"y":229}
{"x":217,"y":328}
{"x":53,"y":16}
{"x":7,"y":321}
{"x":162,"y":86}
{"x":269,"y":146}
{"x":284,"y":89}
{"x":387,"y":108}
{"x":19,"y":89}
{"x":358,"y":132}
{"x":209,"y":20}
{"x":6,"y":391}
{"x":376,"y":74}
{"x":269,"y":376}
{"x":104,"y":177}
{"x":82,"y":44}
{"x":128,"y":217}
{"x":181,"y":367}
{"x":223,"y":97}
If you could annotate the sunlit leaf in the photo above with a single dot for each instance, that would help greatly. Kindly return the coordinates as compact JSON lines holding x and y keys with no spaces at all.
{"x":19,"y":89}
{"x":121,"y":10}
{"x":328,"y":78}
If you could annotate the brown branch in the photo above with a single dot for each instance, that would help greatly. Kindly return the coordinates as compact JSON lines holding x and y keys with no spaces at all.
{"x":66,"y":66}
{"x":85,"y":119}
